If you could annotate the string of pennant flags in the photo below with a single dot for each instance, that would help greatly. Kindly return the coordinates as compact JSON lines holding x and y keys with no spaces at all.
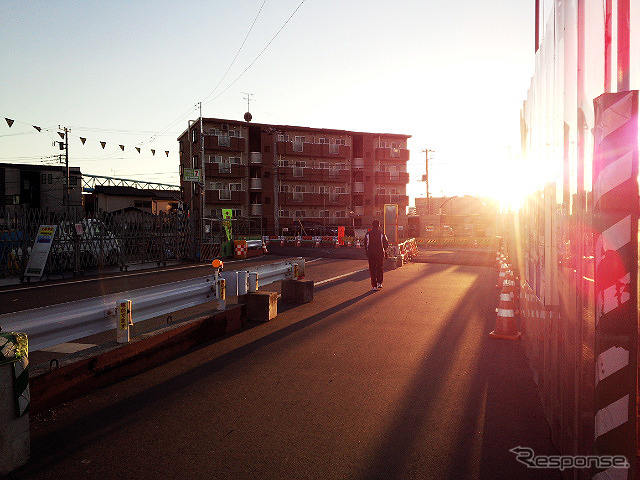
{"x":103,"y":144}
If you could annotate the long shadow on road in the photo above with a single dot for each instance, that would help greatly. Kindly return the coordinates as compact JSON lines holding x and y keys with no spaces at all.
{"x":496,"y":410}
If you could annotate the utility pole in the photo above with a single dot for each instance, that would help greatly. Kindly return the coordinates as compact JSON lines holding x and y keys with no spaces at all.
{"x":276,"y":186}
{"x":202,"y":179}
{"x":66,"y":194}
{"x":426,"y":178}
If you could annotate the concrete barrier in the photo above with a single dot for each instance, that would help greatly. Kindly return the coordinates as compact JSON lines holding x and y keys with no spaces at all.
{"x":89,"y":371}
{"x":297,"y":291}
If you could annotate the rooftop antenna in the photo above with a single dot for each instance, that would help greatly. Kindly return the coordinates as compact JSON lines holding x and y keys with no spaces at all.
{"x":247,"y":97}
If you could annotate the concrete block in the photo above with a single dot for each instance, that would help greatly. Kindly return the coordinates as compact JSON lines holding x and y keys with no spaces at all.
{"x":390,"y":263}
{"x":14,"y":430}
{"x":297,"y":291}
{"x":261,"y":306}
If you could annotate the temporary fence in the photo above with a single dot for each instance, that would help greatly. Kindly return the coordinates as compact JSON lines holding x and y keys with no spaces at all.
{"x":575,"y":240}
{"x":83,"y":241}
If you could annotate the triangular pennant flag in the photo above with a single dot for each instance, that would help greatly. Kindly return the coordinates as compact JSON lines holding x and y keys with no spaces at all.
{"x":167,"y":152}
{"x":9,"y":122}
{"x":153,"y":152}
{"x":138,"y":148}
{"x":82,"y":139}
{"x":37,"y":128}
{"x":122,"y":147}
{"x":61,"y":135}
{"x":103,"y":144}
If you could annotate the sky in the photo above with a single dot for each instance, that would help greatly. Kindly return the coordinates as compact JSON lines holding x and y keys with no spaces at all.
{"x":453,"y":75}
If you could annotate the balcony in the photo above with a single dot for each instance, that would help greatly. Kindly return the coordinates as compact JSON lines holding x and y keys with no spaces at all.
{"x":214,"y":170}
{"x":358,"y":187}
{"x":313,"y":149}
{"x":255,"y":209}
{"x":402,"y":200}
{"x":224,"y":197}
{"x":358,"y":211}
{"x":315,"y":174}
{"x":395,"y":154}
{"x":255,"y":158}
{"x":392,"y":177}
{"x":223,"y":142}
{"x":255,"y":183}
{"x":357,"y":164}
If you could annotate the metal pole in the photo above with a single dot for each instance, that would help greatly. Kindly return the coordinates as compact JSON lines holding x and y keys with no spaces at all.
{"x":276,"y":189}
{"x":204,"y":184}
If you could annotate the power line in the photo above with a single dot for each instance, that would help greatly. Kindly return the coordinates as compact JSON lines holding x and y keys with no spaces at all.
{"x":237,"y":53}
{"x":259,"y":55}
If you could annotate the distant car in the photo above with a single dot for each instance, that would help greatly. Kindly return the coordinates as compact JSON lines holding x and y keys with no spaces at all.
{"x":90,"y":239}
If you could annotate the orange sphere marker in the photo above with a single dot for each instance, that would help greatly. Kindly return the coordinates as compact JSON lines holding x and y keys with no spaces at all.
{"x":217,"y":263}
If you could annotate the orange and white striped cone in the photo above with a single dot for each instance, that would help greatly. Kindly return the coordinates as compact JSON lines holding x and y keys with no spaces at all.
{"x":502,"y":274}
{"x":498,"y":261}
{"x":505,"y":319}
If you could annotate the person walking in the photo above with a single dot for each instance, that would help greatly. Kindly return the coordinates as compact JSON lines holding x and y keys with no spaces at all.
{"x":375,"y":244}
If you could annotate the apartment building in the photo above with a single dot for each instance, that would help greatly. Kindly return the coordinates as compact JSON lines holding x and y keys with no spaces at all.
{"x":287,"y":176}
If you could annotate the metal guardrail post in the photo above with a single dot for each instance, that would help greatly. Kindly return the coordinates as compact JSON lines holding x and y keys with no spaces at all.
{"x":124,"y":320}
{"x":253,"y":282}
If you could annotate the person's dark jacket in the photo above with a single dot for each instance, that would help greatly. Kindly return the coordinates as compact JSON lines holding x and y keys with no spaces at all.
{"x":375,"y":243}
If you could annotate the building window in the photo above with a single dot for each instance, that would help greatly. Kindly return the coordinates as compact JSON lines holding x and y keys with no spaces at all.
{"x":323,"y":189}
{"x":224,"y":167}
{"x":235,"y":187}
{"x":236,"y":212}
{"x":323,"y":141}
{"x":195,"y":162}
{"x":283,"y":138}
{"x":283,"y":162}
{"x":215,"y":158}
{"x":340,"y":214}
{"x":301,"y":213}
{"x":283,"y":213}
{"x":43,"y":179}
{"x":50,"y":178}
{"x":340,"y":141}
{"x":341,"y":190}
{"x":73,"y":181}
{"x":194,"y":136}
{"x":284,"y":188}
{"x":235,"y":160}
{"x":224,"y":194}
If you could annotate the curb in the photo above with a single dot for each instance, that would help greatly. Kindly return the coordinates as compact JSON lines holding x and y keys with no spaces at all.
{"x":112,"y":363}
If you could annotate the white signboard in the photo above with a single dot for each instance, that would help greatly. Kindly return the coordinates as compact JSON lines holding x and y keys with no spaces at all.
{"x":191,"y":175}
{"x":40,"y":251}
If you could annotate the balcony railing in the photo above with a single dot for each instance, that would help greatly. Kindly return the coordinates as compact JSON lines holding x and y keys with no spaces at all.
{"x":358,"y":187}
{"x":255,"y":158}
{"x":255,"y":183}
{"x":358,"y":163}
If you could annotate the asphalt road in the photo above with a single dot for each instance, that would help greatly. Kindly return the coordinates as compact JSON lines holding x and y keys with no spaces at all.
{"x":403,"y":383}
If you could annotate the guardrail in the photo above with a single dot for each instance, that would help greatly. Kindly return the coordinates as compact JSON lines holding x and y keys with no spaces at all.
{"x":64,"y":322}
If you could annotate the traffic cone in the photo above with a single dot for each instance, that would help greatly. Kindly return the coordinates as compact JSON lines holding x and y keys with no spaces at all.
{"x":502,"y":274}
{"x":505,"y":319}
{"x":498,"y":261}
